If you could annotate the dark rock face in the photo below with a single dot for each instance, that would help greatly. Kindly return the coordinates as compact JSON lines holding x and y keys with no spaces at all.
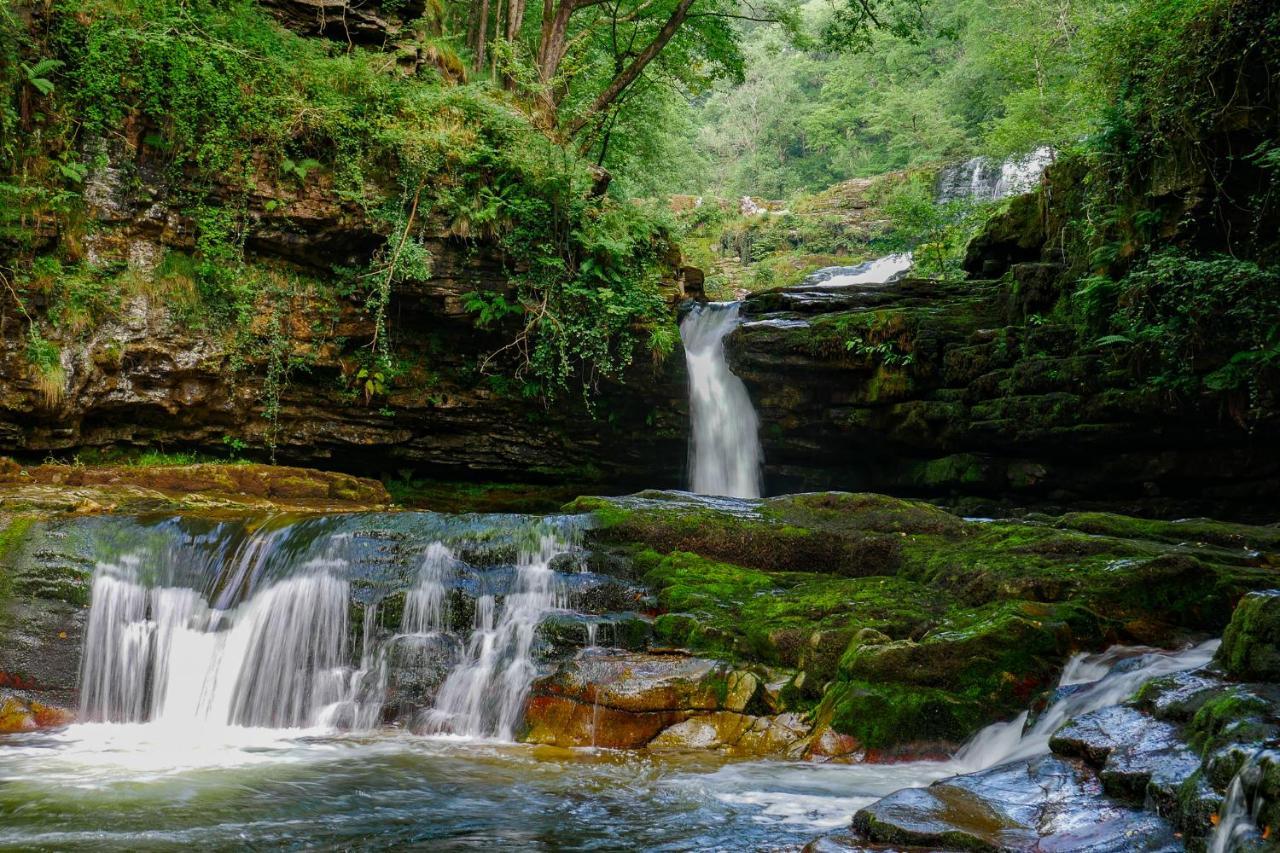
{"x":941,"y":390}
{"x":149,"y":379}
{"x":364,"y":23}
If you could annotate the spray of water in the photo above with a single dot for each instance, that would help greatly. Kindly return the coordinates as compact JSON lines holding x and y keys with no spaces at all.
{"x":1106,"y":685}
{"x":724,"y":455}
{"x":484,"y":695}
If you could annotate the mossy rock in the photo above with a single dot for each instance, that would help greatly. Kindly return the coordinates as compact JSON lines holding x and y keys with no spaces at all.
{"x":1001,"y":653}
{"x":884,"y":716}
{"x":1251,"y":645}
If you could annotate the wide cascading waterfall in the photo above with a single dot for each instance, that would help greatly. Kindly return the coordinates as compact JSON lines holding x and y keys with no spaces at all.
{"x":279,"y":624}
{"x":724,"y":455}
{"x":164,"y":655}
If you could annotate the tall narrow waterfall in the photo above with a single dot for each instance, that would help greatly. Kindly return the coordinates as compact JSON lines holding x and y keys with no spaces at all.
{"x":724,"y":454}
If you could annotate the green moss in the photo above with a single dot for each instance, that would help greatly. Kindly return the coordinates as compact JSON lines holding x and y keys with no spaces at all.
{"x":1192,"y":530}
{"x":882,"y":716}
{"x":1251,"y":644}
{"x":12,"y":538}
{"x":1233,"y":716}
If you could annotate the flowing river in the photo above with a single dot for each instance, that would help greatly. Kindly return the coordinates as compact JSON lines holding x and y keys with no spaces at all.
{"x":236,"y":678}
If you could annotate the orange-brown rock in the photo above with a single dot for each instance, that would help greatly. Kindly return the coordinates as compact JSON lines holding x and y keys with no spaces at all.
{"x":21,"y":715}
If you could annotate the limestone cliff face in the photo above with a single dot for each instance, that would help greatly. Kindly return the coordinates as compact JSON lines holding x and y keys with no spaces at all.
{"x":152,"y":378}
{"x":932,"y":389}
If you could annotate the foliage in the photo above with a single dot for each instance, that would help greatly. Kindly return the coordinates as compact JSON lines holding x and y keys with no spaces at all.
{"x":936,"y":81}
{"x":1195,"y":325}
{"x":936,"y":233}
{"x":226,"y":102}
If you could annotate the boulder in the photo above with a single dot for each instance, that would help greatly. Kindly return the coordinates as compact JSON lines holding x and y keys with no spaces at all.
{"x":1251,"y":644}
{"x":735,"y":734}
{"x":622,"y":700}
{"x":1043,"y":803}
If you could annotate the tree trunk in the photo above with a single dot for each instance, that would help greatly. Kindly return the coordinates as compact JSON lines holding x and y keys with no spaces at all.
{"x":482,"y":36}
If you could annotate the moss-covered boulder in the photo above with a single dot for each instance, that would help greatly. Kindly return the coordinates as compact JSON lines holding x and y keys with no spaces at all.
{"x":1251,"y":645}
{"x":908,"y":628}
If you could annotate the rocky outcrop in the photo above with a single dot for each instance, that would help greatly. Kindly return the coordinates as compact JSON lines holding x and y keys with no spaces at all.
{"x":246,"y":484}
{"x":664,"y":702}
{"x":149,"y":377}
{"x":1155,"y":773}
{"x":943,"y":390}
{"x":900,"y":629}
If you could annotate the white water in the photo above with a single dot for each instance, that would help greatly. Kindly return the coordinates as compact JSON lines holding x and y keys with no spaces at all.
{"x":1238,"y":814}
{"x":163,"y":655}
{"x":424,"y":606}
{"x":884,"y":270}
{"x":724,"y":456}
{"x":484,"y":695}
{"x":982,"y":179}
{"x":1010,"y":741}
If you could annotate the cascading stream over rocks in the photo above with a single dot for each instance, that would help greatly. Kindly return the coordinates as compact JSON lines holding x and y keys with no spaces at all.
{"x":277,"y":651}
{"x":725,"y":456}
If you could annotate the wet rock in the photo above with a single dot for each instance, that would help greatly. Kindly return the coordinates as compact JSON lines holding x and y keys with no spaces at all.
{"x":735,"y":734}
{"x":567,"y":632}
{"x":1132,"y":750}
{"x":558,"y":721}
{"x":1251,"y":644}
{"x":623,"y":700}
{"x":25,"y":715}
{"x":592,"y":593}
{"x":1044,"y":803}
{"x":417,"y":664}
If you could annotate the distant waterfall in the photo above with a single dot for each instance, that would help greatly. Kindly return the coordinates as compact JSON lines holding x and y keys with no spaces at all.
{"x":724,"y":456}
{"x":984,"y":179}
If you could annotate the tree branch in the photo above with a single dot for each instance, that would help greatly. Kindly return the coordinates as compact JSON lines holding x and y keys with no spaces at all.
{"x":629,"y":74}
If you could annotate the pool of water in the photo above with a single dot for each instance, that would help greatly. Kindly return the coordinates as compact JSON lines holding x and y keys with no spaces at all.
{"x":140,"y":787}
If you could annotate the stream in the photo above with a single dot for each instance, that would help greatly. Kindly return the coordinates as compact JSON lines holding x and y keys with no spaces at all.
{"x":238,"y":705}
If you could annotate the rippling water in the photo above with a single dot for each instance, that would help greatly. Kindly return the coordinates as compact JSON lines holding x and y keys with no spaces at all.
{"x":137,"y":788}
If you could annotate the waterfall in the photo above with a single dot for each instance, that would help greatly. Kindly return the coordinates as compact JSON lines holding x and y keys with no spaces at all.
{"x":484,"y":695}
{"x":163,"y":654}
{"x":982,"y":179}
{"x":1238,"y":816}
{"x":424,"y":606}
{"x":250,"y":625}
{"x":1105,"y":685}
{"x":724,"y":454}
{"x":885,"y":270}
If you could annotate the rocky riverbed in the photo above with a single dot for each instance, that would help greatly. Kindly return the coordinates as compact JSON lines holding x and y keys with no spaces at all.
{"x":851,"y":629}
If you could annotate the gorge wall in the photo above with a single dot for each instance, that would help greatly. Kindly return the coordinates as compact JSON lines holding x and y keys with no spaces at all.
{"x":151,"y":378}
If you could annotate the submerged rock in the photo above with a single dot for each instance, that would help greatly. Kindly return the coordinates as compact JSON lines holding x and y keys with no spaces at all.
{"x":1044,"y":803}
